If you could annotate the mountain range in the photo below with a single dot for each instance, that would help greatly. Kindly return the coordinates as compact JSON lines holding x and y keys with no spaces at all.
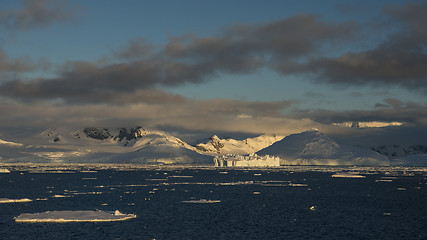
{"x":138,"y":145}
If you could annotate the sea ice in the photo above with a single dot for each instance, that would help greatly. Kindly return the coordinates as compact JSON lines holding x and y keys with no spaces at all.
{"x":59,"y":196}
{"x":4,"y":170}
{"x":74,"y":216}
{"x":7,"y":200}
{"x":202,"y":201}
{"x":347,"y":175}
{"x":297,"y":185}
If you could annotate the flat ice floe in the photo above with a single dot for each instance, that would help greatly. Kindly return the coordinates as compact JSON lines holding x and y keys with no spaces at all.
{"x":7,"y":200}
{"x":4,"y":170}
{"x":347,"y":175}
{"x":202,"y":201}
{"x":73,"y":216}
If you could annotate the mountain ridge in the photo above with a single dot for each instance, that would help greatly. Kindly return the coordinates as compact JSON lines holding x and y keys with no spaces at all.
{"x":139,"y":145}
{"x":315,"y":148}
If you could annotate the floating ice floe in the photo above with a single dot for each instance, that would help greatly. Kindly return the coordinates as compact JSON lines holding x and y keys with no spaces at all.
{"x":347,"y":175}
{"x":60,"y":196}
{"x":73,"y":216}
{"x":7,"y":200}
{"x":4,"y":170}
{"x":384,"y":180}
{"x":202,"y":201}
{"x":297,"y":185}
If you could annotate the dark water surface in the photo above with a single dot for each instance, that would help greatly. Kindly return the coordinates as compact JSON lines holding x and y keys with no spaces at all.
{"x":254,"y":204}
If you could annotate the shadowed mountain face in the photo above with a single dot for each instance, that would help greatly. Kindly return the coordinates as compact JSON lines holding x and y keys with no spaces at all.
{"x":315,"y":148}
{"x":95,"y":133}
{"x":124,"y":133}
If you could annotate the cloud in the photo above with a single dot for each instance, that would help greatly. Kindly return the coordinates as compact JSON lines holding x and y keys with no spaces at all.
{"x":391,"y":110}
{"x":298,"y":44}
{"x":404,"y":67}
{"x":84,"y":81}
{"x":14,"y":65}
{"x":135,"y":49}
{"x":412,"y":16}
{"x":240,"y":49}
{"x":36,"y":14}
{"x":192,"y":115}
{"x":401,"y":59}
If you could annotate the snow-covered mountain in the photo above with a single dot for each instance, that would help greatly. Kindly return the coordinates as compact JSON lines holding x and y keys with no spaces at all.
{"x":406,"y":155}
{"x":315,"y":148}
{"x":121,"y":145}
{"x":216,"y":146}
{"x":138,"y":145}
{"x":399,"y":151}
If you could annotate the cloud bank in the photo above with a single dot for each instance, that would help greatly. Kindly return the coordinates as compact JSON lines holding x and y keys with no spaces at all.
{"x":240,"y":49}
{"x":296,"y":45}
{"x":127,"y":89}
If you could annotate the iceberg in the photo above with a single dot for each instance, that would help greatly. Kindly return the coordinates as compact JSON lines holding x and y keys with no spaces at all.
{"x":251,"y":160}
{"x":73,"y":216}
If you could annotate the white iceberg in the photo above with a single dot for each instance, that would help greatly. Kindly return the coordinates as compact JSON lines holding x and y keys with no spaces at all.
{"x":251,"y":160}
{"x":7,"y":200}
{"x":73,"y":216}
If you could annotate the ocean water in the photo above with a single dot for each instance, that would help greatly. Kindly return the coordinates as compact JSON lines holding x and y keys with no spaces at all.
{"x":286,"y":203}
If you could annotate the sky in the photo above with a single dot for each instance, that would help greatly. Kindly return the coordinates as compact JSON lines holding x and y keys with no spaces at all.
{"x":189,"y":66}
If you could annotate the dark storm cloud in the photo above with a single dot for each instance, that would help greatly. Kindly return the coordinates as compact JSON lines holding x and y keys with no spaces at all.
{"x":87,"y":82}
{"x":215,"y":115}
{"x":83,"y":82}
{"x":413,"y":17}
{"x":290,"y":46}
{"x":239,"y":49}
{"x":36,"y":13}
{"x":401,"y":59}
{"x":403,"y":67}
{"x":391,"y":110}
{"x":243,"y":48}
